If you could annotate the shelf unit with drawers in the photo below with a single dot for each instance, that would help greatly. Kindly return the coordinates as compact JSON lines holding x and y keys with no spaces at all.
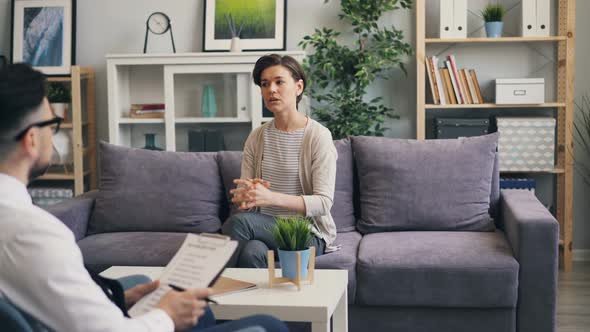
{"x":562,"y":108}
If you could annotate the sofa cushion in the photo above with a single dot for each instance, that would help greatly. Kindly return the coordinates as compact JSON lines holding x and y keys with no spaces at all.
{"x":343,"y":208}
{"x":435,"y":185}
{"x":101,"y":251}
{"x":343,"y":259}
{"x":437,"y":269}
{"x":157,"y":191}
{"x":230,"y":167}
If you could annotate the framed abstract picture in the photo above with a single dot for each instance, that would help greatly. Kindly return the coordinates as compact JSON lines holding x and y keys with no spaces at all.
{"x":43,"y":34}
{"x":261,"y":24}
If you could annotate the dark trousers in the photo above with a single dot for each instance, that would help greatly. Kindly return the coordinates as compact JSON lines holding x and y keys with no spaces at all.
{"x":253,"y":231}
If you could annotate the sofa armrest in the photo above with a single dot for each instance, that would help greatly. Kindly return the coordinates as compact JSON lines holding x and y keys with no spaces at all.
{"x":533,"y":234}
{"x":75,"y":213}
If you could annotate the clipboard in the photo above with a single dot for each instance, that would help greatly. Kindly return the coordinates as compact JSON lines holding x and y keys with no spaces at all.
{"x":225,"y":239}
{"x":198,"y":263}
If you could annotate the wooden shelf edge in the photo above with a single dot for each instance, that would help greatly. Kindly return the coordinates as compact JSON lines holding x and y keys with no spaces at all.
{"x":495,"y":40}
{"x":210,"y":120}
{"x":140,"y":121}
{"x":469,"y":106}
{"x":58,"y":176}
{"x":553,"y":171}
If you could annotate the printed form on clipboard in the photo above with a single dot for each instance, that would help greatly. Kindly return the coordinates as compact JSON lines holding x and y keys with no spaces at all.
{"x":198,"y":264}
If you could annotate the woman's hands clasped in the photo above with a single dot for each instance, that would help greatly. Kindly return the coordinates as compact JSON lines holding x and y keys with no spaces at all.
{"x":251,"y":193}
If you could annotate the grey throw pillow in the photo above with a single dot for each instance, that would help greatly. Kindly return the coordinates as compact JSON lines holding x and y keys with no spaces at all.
{"x":157,"y":191}
{"x":435,"y":185}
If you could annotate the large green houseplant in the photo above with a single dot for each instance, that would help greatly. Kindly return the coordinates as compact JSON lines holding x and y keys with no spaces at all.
{"x":582,"y":136}
{"x":340,"y":74}
{"x":293,"y":235}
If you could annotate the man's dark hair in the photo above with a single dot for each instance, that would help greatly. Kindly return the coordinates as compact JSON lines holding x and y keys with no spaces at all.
{"x":22,"y":90}
{"x":283,"y":60}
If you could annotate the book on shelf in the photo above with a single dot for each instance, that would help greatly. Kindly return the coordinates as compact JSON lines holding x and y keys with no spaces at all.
{"x":465,"y":85}
{"x":455,"y":72}
{"x":476,"y":84}
{"x":147,"y":111}
{"x":432,"y":80}
{"x":444,"y":86}
{"x":441,"y":94}
{"x":471,"y":86}
{"x":449,"y":85}
{"x":453,"y":82}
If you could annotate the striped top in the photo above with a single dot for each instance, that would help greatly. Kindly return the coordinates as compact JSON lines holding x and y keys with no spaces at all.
{"x":280,"y":165}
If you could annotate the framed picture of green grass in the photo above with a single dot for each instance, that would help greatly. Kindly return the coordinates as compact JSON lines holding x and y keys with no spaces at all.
{"x":259,"y":23}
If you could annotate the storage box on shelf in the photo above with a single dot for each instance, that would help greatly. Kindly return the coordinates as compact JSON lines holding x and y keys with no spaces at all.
{"x":201,"y":93}
{"x":559,"y":102}
{"x":526,"y":144}
{"x":77,"y":172}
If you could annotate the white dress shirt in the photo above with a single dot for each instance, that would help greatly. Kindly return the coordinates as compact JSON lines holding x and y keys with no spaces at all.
{"x":42,"y":272}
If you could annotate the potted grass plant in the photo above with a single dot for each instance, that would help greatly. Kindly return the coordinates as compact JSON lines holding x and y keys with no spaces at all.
{"x":293,"y":235}
{"x":59,"y":98}
{"x":493,"y":14}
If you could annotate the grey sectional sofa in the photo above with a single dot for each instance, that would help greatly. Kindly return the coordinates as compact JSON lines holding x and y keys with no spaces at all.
{"x":428,"y":239}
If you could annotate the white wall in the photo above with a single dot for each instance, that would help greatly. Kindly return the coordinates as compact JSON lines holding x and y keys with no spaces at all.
{"x":582,"y":84}
{"x":118,"y":26}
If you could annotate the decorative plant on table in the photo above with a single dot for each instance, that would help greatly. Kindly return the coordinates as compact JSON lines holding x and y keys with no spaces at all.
{"x":340,"y":74}
{"x":493,"y":14}
{"x":582,"y":137}
{"x":293,"y":235}
{"x":59,"y":98}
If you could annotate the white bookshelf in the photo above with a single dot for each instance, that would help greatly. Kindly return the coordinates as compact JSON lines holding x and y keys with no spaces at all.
{"x":177,"y":80}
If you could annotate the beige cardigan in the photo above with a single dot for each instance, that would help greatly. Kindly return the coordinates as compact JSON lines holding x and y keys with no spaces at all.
{"x":317,"y":173}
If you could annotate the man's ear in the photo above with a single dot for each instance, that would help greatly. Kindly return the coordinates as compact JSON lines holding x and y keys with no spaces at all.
{"x":30,"y":143}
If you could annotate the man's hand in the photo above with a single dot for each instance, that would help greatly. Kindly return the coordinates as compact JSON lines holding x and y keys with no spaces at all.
{"x":185,"y":307}
{"x":251,"y":193}
{"x":132,"y":295}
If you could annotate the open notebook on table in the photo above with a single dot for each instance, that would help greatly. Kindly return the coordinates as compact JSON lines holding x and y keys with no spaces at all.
{"x":197,"y":264}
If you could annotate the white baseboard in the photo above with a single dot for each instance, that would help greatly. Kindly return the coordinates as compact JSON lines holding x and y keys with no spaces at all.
{"x":581,"y":255}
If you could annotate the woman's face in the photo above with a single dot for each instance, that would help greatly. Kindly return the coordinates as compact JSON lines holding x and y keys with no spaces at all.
{"x":279,"y":89}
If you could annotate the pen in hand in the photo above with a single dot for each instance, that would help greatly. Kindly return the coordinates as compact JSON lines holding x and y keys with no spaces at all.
{"x":180,"y":289}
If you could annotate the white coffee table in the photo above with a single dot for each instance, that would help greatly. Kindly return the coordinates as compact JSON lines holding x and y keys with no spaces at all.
{"x":326,"y":297}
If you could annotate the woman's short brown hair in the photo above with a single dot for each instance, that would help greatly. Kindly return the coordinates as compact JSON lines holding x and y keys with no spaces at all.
{"x":280,"y":60}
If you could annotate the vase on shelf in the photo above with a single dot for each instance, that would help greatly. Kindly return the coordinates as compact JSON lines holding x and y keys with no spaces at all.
{"x":150,"y":142}
{"x":235,"y":45}
{"x":208,"y":104}
{"x":494,"y":29}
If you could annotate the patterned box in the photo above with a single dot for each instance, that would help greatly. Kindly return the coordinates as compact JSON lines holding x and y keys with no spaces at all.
{"x":526,"y":144}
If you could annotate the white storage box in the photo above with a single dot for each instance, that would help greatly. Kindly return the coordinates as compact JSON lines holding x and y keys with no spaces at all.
{"x":520,"y":90}
{"x":526,"y":144}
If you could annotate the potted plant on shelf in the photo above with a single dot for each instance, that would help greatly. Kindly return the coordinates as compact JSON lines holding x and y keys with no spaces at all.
{"x":493,"y":15}
{"x":59,"y":98}
{"x":293,"y":235}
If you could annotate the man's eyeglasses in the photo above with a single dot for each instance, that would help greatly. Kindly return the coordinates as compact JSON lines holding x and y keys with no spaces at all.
{"x":54,"y":123}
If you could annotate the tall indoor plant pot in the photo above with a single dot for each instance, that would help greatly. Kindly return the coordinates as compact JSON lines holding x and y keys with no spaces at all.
{"x":293,"y":235}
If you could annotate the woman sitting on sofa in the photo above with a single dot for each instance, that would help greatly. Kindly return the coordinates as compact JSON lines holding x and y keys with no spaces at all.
{"x":288,"y":168}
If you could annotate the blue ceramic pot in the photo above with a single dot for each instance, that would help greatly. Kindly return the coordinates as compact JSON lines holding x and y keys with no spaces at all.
{"x":289,"y":263}
{"x":494,"y":29}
